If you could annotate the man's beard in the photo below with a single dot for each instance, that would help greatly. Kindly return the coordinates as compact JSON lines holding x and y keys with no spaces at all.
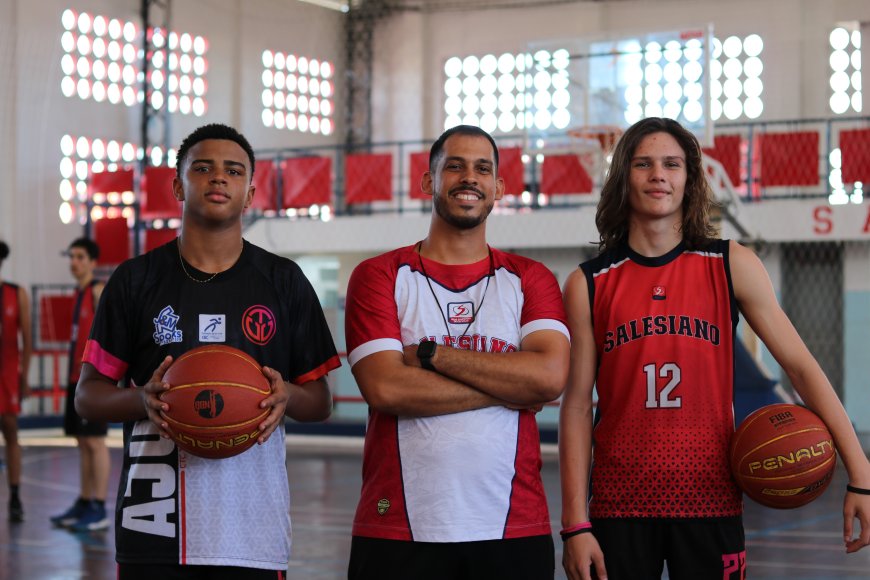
{"x":461,"y":222}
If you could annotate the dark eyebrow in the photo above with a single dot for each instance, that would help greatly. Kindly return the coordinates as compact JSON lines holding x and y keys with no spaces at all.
{"x":227,"y":162}
{"x":666,"y":158}
{"x":463,"y":160}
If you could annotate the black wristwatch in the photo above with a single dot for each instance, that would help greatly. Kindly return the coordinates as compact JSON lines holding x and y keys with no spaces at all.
{"x":425,"y":352}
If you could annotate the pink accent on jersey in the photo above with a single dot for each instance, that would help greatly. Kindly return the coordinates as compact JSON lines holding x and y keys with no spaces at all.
{"x":316,"y":373}
{"x":103,"y":361}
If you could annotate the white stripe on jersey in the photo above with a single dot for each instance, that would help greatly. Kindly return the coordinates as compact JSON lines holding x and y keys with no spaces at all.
{"x":371,"y":347}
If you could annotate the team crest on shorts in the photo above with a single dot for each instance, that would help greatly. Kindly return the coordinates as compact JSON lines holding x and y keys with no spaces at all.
{"x":460,"y":312}
{"x":659,"y":293}
{"x":383,"y":506}
{"x":165,"y":327}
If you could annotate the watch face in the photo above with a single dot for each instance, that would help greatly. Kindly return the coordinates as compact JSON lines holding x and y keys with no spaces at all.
{"x":426,"y":349}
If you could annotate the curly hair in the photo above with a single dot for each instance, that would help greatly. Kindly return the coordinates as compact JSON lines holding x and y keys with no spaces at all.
{"x":212,"y":131}
{"x":612,"y":215}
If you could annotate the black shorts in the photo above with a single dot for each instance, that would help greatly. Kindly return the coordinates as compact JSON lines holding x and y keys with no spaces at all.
{"x":695,"y":548}
{"x":179,"y":572}
{"x":529,"y":558}
{"x":74,"y":425}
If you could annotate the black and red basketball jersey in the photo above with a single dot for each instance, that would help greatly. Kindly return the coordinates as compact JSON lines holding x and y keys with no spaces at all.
{"x":174,"y":507}
{"x":664,"y":332}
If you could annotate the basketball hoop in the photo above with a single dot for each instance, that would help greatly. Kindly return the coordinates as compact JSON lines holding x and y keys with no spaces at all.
{"x":603,"y":136}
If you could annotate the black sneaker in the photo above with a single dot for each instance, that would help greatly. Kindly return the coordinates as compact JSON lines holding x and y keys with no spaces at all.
{"x":16,"y":511}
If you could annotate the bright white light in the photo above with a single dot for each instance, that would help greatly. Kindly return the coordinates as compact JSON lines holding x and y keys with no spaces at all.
{"x":99,"y":48}
{"x":753,"y":66}
{"x":542,"y":100}
{"x":200,"y":65}
{"x":633,"y":114}
{"x":453,"y":106}
{"x":68,"y":19}
{"x":68,"y":64}
{"x":671,"y":110}
{"x":652,"y":93}
{"x":302,"y":65}
{"x":542,"y":119}
{"x":84,"y":22}
{"x":471,"y":105}
{"x":753,"y":107}
{"x":753,"y":45}
{"x":470,"y":66}
{"x":715,"y":110}
{"x":326,"y":127}
{"x":326,"y":70}
{"x":268,"y":58}
{"x":839,"y":60}
{"x":561,"y":99}
{"x":633,"y":94}
{"x":506,"y":102}
{"x":673,"y":72}
{"x":279,"y":60}
{"x":470,"y":86}
{"x":673,"y":92}
{"x":128,"y":152}
{"x":733,"y":88}
{"x":506,"y":83}
{"x":561,"y":118}
{"x":489,"y":122}
{"x":185,"y":42}
{"x":67,"y":168}
{"x":488,"y":64}
{"x":83,"y":45}
{"x":653,"y":52}
{"x":856,"y":102}
{"x":733,"y":68}
{"x":279,"y":119}
{"x":693,"y":71}
{"x":82,"y":169}
{"x":693,"y":91}
{"x":129,"y":31}
{"x":856,"y":38}
{"x":732,"y":108}
{"x":753,"y":87}
{"x":693,"y":49}
{"x":840,"y":81}
{"x":199,"y":45}
{"x":732,"y":47}
{"x":653,"y":110}
{"x":115,"y":29}
{"x":267,"y":117}
{"x":488,"y":84}
{"x":488,"y":103}
{"x":506,"y":63}
{"x":673,"y":51}
{"x":693,"y":111}
{"x":542,"y":81}
{"x":83,"y":147}
{"x":65,"y":211}
{"x":839,"y":38}
{"x":83,"y":66}
{"x":653,"y":73}
{"x":83,"y":88}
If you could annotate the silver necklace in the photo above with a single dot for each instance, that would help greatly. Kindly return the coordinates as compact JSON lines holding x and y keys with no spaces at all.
{"x":197,"y":280}
{"x":438,"y":302}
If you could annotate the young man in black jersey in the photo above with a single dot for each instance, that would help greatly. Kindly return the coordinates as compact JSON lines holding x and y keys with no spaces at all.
{"x":178,"y":515}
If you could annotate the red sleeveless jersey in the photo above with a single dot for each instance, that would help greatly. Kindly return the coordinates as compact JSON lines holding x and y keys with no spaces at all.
{"x":664,"y":332}
{"x":83,"y":317}
{"x":10,"y":357}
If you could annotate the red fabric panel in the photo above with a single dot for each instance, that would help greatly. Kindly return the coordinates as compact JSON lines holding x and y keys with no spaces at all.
{"x":419,"y":165}
{"x":109,"y":181}
{"x":156,"y":238}
{"x":113,"y":238}
{"x":789,"y":158}
{"x":55,"y":318}
{"x":368,"y":177}
{"x":564,"y":174}
{"x":158,"y":202}
{"x":511,"y":169}
{"x":726,"y":150}
{"x":307,"y":181}
{"x":265,"y":184}
{"x":855,"y":152}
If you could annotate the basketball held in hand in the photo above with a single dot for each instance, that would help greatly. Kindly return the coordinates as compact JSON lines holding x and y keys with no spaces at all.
{"x":214,"y":401}
{"x":783,"y":456}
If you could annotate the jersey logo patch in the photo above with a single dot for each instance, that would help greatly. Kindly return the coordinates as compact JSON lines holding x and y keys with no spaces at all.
{"x":383,"y":506}
{"x":460,"y":312}
{"x":258,"y":324}
{"x":659,"y":293}
{"x":165,"y":324}
{"x":212,"y":328}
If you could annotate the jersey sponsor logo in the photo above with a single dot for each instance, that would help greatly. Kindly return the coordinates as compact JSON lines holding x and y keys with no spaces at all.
{"x":476,"y":342}
{"x":659,"y":293}
{"x":259,"y":324}
{"x":460,"y":312}
{"x":383,"y":506}
{"x":165,"y":327}
{"x":670,"y":324}
{"x":212,"y":328}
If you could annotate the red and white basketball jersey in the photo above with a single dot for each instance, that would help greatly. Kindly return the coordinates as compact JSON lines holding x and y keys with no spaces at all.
{"x":664,"y":330}
{"x":466,"y":476}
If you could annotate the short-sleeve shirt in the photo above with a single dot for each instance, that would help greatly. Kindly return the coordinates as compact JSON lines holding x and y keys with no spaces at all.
{"x":664,"y":334}
{"x":461,"y":477}
{"x":174,"y":507}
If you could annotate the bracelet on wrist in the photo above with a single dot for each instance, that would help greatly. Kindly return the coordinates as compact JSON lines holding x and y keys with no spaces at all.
{"x":858,"y":490}
{"x":571,"y":531}
{"x":566,"y":535}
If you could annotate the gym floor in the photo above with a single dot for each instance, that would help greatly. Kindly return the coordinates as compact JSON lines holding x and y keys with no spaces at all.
{"x":324,"y":473}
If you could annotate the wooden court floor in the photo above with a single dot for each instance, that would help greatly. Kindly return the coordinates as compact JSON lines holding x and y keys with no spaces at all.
{"x":324,"y":482}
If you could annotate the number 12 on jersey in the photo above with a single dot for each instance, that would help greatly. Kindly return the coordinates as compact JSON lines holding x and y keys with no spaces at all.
{"x":664,"y":398}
